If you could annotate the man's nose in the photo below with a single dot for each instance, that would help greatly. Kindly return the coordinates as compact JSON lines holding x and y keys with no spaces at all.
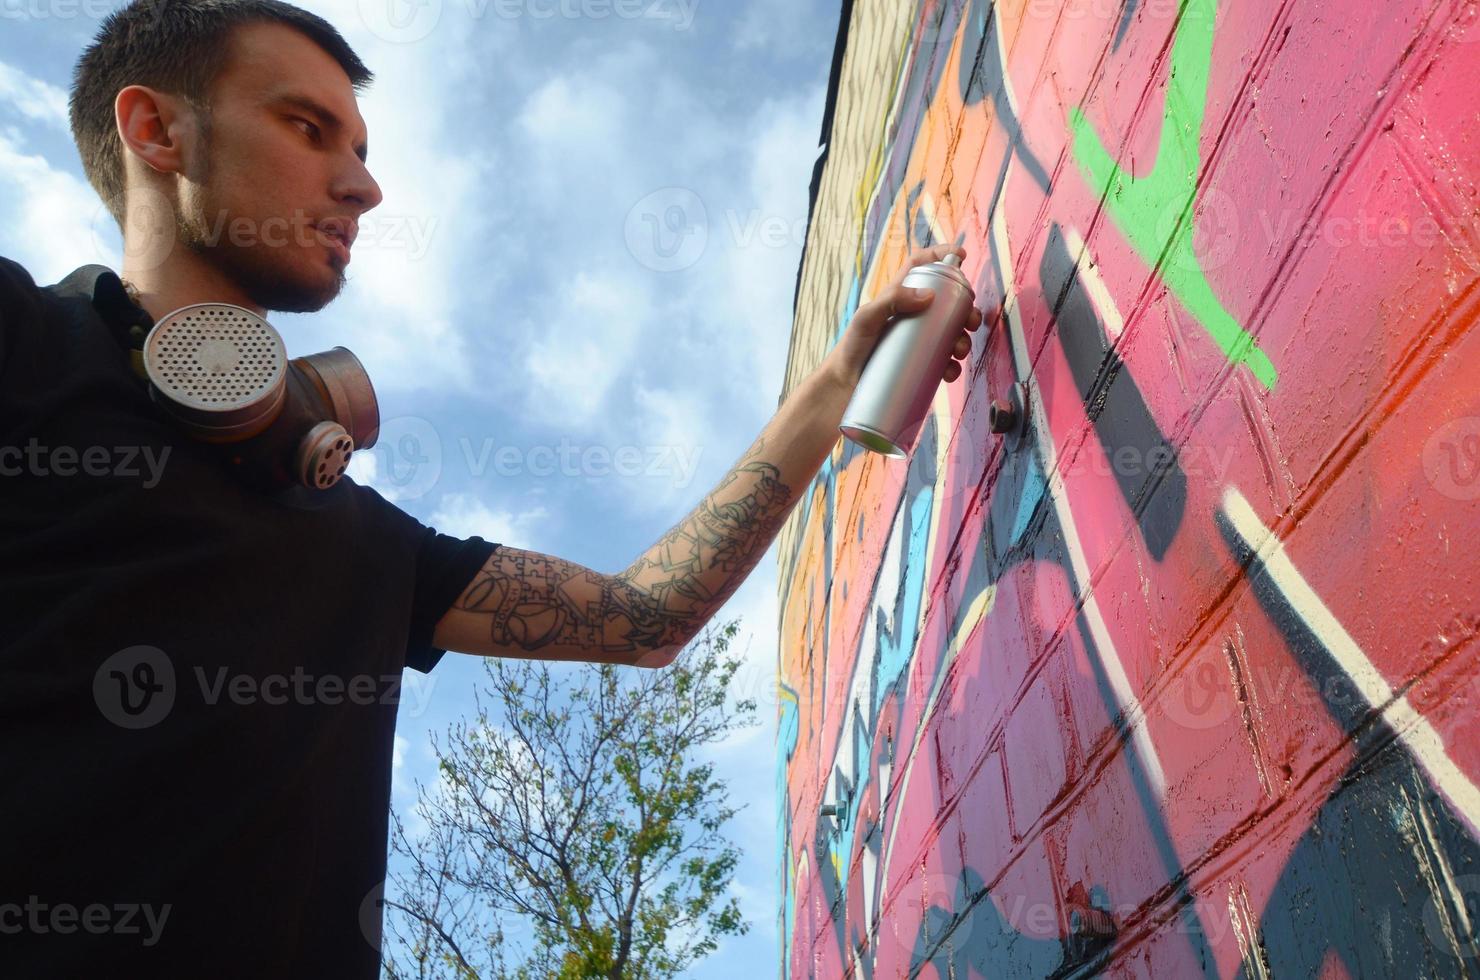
{"x":355,"y":184}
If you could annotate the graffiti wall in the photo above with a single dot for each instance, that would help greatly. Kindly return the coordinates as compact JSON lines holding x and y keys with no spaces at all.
{"x":1179,"y":678}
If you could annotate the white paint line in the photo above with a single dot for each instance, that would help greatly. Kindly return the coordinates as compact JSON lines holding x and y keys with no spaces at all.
{"x":1126,"y":702}
{"x":1089,"y":277}
{"x":1415,"y":732}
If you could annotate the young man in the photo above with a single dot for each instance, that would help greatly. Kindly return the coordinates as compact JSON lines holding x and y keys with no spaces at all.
{"x":198,"y":680}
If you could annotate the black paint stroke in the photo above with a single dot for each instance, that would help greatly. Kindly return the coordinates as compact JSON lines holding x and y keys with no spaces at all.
{"x":1364,"y":881}
{"x":990,"y":948}
{"x":983,"y":75}
{"x":1126,"y":16}
{"x":1144,"y":462}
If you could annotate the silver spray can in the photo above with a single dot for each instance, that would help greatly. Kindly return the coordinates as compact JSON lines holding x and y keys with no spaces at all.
{"x":901,"y":376}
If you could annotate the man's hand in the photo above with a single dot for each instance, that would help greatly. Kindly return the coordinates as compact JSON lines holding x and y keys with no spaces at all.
{"x":846,"y":360}
{"x":526,"y":604}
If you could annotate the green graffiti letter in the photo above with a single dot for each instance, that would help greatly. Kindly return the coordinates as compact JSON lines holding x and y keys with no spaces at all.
{"x":1143,"y":207}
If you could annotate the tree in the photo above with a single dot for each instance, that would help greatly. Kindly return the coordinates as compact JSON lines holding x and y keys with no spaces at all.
{"x":579,"y":833}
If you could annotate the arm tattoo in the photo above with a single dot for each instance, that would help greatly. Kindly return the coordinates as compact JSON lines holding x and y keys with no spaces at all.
{"x":698,"y":565}
{"x":536,"y":600}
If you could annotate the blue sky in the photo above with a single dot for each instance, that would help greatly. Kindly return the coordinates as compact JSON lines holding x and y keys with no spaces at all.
{"x":574,"y":301}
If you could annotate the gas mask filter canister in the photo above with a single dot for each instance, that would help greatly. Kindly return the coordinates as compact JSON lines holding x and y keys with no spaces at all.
{"x":223,"y":374}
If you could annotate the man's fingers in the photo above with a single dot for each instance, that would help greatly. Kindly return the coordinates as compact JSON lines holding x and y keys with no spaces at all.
{"x":894,"y":301}
{"x":935,"y":253}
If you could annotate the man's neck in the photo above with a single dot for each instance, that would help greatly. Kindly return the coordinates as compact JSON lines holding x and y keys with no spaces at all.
{"x":182,"y":279}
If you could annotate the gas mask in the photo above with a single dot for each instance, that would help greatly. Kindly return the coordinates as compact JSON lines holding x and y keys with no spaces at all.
{"x":223,"y":373}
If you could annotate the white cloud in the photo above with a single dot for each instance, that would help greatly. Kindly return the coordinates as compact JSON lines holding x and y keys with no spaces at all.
{"x":401,"y":312}
{"x":572,"y":119}
{"x":583,"y":347}
{"x":32,"y":97}
{"x":55,"y":222}
{"x":784,"y":28}
{"x":463,"y":515}
{"x":757,"y":279}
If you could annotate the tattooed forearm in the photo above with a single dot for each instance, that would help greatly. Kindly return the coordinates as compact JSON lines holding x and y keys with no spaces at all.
{"x":535,"y":602}
{"x":695,"y":568}
{"x":548,"y":607}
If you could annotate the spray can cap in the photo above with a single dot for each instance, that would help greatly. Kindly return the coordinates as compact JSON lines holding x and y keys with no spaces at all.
{"x":953,"y":260}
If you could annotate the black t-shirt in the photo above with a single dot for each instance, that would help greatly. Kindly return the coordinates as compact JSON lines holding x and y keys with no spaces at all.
{"x":198,"y":681}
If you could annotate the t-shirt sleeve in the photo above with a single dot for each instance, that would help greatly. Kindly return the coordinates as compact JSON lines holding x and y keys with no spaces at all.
{"x":444,"y":567}
{"x":19,"y":303}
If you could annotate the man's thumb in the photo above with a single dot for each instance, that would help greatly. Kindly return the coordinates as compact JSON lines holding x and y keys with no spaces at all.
{"x":917,"y":298}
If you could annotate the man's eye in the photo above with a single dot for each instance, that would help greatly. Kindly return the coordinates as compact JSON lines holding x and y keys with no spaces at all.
{"x":311,"y":130}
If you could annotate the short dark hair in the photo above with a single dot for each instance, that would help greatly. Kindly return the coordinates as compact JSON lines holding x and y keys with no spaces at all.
{"x":176,"y":46}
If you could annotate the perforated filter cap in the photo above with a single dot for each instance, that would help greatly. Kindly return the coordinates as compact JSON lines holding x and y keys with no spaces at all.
{"x":220,"y":369}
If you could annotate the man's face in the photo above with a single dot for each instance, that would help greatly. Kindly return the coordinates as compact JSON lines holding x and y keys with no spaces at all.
{"x":277,"y":206}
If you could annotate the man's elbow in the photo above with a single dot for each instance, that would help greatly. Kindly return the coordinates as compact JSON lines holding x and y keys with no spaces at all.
{"x":657,"y":658}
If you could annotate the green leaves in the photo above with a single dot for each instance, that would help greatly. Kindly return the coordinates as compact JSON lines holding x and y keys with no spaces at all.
{"x":581,"y":822}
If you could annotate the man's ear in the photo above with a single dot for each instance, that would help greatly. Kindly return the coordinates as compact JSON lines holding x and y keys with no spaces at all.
{"x":160,"y":129}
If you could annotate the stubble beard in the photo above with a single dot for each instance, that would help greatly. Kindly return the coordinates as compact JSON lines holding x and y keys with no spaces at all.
{"x":204,"y":227}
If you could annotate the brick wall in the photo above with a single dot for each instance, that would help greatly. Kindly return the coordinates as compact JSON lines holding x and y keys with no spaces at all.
{"x":1182,"y":682}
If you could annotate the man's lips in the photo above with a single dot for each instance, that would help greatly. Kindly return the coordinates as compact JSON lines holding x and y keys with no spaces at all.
{"x":338,"y":235}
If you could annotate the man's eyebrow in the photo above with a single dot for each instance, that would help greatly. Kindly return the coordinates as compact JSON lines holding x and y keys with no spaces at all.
{"x":325,"y":114}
